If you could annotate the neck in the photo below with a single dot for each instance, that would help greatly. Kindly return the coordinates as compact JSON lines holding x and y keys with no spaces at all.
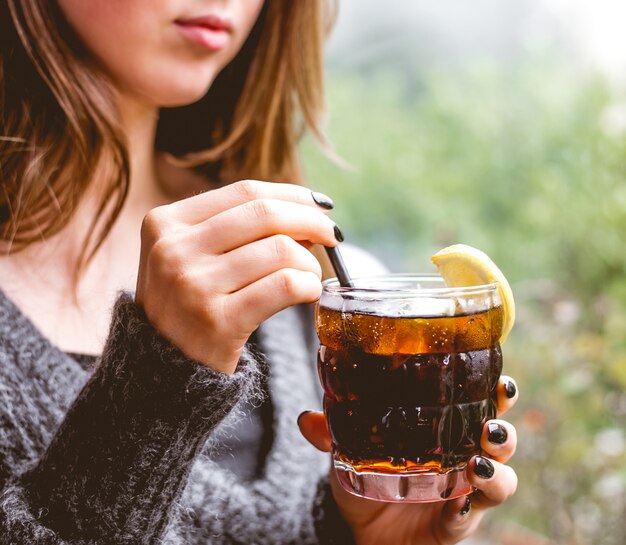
{"x":139,"y":122}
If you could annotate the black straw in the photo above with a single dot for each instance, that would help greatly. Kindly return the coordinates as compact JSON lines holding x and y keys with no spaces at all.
{"x":339,"y":266}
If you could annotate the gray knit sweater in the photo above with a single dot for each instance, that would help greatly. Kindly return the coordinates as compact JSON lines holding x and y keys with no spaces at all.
{"x":123,"y":454}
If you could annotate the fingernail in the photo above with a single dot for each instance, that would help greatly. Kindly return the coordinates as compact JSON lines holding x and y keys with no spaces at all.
{"x":301,"y":415}
{"x":510,"y":389}
{"x":483,"y":468}
{"x":466,"y":507}
{"x":322,"y":200}
{"x":338,"y":233}
{"x":496,"y":433}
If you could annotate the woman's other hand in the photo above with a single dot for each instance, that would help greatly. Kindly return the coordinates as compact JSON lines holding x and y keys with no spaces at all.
{"x":216,"y":265}
{"x":439,"y":523}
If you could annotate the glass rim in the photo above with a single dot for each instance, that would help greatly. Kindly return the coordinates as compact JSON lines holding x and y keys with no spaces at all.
{"x":331,"y":286}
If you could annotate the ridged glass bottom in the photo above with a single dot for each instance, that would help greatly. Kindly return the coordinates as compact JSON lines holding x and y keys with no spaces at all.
{"x":411,"y":488}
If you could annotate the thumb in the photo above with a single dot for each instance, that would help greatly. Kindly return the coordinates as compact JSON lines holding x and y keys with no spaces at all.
{"x":313,"y":426}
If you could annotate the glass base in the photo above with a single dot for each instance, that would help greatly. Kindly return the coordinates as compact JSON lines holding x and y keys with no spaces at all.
{"x":409,"y":488}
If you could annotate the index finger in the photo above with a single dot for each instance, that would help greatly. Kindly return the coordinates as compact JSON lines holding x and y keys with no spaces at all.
{"x":198,"y":208}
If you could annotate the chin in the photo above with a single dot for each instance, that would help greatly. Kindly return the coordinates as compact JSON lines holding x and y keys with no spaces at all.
{"x":177,"y":88}
{"x":180,"y":95}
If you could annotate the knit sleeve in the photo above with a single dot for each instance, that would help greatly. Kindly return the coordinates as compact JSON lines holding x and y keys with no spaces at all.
{"x":121,"y":457}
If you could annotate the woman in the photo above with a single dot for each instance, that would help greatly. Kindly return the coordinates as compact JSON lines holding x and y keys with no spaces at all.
{"x":167,"y":413}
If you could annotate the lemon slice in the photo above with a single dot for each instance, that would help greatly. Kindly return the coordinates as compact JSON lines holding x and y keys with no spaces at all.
{"x":461,"y":265}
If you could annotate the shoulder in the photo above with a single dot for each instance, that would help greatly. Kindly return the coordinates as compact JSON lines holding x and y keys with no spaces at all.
{"x":360,"y":262}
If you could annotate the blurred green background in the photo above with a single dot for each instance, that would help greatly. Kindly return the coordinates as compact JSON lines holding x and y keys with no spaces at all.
{"x":473,"y":125}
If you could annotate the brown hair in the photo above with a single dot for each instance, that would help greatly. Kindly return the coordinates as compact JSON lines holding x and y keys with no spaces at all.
{"x":59,"y":128}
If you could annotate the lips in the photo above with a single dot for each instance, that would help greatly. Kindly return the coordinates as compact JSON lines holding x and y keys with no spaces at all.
{"x":209,"y":31}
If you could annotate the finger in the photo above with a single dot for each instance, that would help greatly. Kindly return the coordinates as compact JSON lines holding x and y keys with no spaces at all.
{"x":494,"y":482}
{"x":206,"y":205}
{"x":458,"y":519}
{"x":271,"y":294}
{"x":262,"y":218}
{"x":499,"y":440}
{"x":314,"y":428}
{"x":243,"y":266}
{"x":507,"y":394}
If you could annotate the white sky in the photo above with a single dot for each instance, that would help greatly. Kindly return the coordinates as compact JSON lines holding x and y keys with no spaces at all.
{"x":595,"y":30}
{"x":600,"y":28}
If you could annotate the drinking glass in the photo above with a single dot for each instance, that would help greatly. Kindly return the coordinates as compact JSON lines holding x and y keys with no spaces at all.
{"x":409,"y":369}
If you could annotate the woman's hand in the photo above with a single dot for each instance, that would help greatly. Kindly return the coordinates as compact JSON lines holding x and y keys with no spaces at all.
{"x":216,"y":265}
{"x":439,"y":523}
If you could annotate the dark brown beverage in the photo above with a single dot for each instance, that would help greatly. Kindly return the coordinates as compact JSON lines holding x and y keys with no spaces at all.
{"x":408,"y":394}
{"x":409,"y":369}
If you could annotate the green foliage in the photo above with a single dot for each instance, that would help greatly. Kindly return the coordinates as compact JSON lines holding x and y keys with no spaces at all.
{"x":527,"y":163}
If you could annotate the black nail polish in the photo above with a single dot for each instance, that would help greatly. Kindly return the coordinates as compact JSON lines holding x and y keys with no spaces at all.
{"x":338,"y":233}
{"x":496,"y":433}
{"x":466,"y":507}
{"x":324,"y":201}
{"x":483,"y":468}
{"x":510,"y":389}
{"x":301,"y":415}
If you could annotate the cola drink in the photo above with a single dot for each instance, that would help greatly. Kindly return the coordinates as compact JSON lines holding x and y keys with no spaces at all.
{"x":409,"y":370}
